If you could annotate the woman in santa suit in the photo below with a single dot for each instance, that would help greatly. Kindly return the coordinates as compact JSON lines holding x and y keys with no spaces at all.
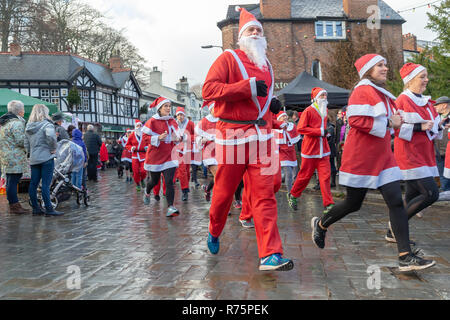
{"x":186,"y":130}
{"x":205,"y":136}
{"x":368,"y":161}
{"x":126,"y":158}
{"x":137,"y":145}
{"x":414,"y":142}
{"x":161,"y":132}
{"x":287,"y":139}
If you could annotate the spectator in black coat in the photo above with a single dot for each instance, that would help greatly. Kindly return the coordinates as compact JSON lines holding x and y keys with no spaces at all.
{"x":93,"y":143}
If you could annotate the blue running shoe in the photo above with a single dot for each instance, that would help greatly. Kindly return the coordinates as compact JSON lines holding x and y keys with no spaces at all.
{"x":275,"y":262}
{"x":213,"y":244}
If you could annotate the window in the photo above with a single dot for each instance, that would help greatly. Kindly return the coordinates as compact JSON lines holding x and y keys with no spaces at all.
{"x":45,"y":93}
{"x":107,"y":104}
{"x":55,"y":101}
{"x":55,"y":92}
{"x":330,"y":30}
{"x":127,"y":110}
{"x":316,"y":70}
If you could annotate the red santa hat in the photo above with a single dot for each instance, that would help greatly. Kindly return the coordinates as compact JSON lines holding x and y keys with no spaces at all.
{"x":159,"y":102}
{"x":365,"y":63}
{"x":180,"y":110}
{"x":246,"y":20}
{"x":410,"y":70}
{"x":137,"y":122}
{"x":129,"y":130}
{"x":316,"y":92}
{"x":209,"y":104}
{"x":281,"y":113}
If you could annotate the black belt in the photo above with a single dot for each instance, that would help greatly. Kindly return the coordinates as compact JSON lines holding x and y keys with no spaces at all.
{"x":259,"y":122}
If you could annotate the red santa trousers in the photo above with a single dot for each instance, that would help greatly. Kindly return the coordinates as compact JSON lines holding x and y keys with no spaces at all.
{"x":307,"y":168}
{"x":260,"y":187}
{"x":246,"y":212}
{"x":139,"y":173}
{"x":183,"y":174}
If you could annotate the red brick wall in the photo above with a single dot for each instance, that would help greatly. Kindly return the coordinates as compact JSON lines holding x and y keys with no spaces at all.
{"x":275,"y":9}
{"x":292,"y":47}
{"x":410,"y":42}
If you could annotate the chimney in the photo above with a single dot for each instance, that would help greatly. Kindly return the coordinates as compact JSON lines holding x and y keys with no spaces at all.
{"x":409,"y":42}
{"x":115,"y":63}
{"x":156,"y":76}
{"x":357,"y":9}
{"x":183,"y":85}
{"x":15,"y":49}
{"x":275,"y":9}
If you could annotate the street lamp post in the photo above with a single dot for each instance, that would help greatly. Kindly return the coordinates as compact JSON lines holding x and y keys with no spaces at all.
{"x":211,"y":46}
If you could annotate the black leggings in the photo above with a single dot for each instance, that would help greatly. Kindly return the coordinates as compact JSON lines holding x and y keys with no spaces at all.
{"x":392,"y":195}
{"x":420,"y":194}
{"x":168,"y":178}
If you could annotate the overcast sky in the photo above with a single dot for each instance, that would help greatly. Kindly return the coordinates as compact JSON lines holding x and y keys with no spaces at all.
{"x":169,"y":33}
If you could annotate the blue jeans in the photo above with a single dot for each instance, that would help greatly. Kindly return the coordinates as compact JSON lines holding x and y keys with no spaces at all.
{"x":12,"y":180}
{"x":445,"y":183}
{"x":77,"y":178}
{"x":42,"y":171}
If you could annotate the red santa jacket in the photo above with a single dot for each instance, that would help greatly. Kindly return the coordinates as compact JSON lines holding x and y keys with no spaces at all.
{"x":447,"y":159}
{"x":103,"y":153}
{"x":414,"y":151}
{"x":160,"y":154}
{"x":206,"y":129}
{"x":188,"y":147}
{"x":231,"y":83}
{"x":287,"y":139}
{"x":126,"y":154}
{"x":368,"y":160}
{"x":312,"y":125}
{"x":139,"y":144}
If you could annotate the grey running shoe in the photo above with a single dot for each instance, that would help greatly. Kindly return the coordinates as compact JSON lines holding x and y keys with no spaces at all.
{"x":411,"y":262}
{"x":146,"y":198}
{"x":172,"y":212}
{"x":247,"y":223}
{"x":318,"y":234}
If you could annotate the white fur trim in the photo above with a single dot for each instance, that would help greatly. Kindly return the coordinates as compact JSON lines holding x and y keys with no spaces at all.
{"x":421,"y":102}
{"x":210,"y":162}
{"x":413,"y":74}
{"x":370,"y":182}
{"x":211,"y":118}
{"x":370,"y":64}
{"x":234,"y":142}
{"x":406,"y":131}
{"x":159,"y":105}
{"x":316,"y":156}
{"x":237,"y":8}
{"x":318,"y":95}
{"x":379,"y":127}
{"x":154,"y":141}
{"x":367,"y":110}
{"x":281,"y":115}
{"x":367,"y":82}
{"x":253,"y":87}
{"x":289,"y":163}
{"x":447,"y":173}
{"x":161,"y":167}
{"x":248,"y":24}
{"x":419,"y":173}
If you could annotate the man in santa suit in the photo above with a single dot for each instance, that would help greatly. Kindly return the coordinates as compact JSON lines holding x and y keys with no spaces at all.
{"x":186,"y":129}
{"x":315,"y":150}
{"x":241,"y":84}
{"x":126,"y":158}
{"x":138,"y":147}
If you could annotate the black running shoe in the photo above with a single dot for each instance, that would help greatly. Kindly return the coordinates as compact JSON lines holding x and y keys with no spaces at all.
{"x":411,"y":262}
{"x":318,"y":234}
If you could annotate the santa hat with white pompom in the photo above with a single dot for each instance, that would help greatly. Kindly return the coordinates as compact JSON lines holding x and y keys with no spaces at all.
{"x":246,"y":20}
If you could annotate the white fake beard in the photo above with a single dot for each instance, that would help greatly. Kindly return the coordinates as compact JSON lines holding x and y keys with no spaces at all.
{"x":323,"y":104}
{"x":138,"y":131}
{"x":255,"y":47}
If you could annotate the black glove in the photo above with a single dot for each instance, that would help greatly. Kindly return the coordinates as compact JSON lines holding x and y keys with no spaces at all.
{"x":261,"y":88}
{"x":275,"y":105}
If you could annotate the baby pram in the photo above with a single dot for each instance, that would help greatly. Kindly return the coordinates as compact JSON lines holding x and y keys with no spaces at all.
{"x":69,"y":158}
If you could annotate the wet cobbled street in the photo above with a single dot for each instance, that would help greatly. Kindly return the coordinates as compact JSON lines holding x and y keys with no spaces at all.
{"x":120,"y":249}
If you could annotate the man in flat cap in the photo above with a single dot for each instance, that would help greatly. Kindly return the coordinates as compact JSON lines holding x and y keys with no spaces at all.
{"x":61,"y":133}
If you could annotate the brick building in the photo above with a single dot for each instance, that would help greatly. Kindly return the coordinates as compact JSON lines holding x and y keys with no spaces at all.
{"x":302,"y":33}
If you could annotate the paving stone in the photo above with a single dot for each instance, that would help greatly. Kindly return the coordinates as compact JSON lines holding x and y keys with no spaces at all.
{"x":125,"y":250}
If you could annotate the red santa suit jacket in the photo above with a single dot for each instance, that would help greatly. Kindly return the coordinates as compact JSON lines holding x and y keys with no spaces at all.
{"x":287,"y":139}
{"x":231,"y":83}
{"x":312,"y":125}
{"x":414,"y":151}
{"x":206,"y":129}
{"x":140,"y":146}
{"x":447,"y":159}
{"x":160,"y":154}
{"x":188,"y":146}
{"x":126,"y":154}
{"x":368,"y":160}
